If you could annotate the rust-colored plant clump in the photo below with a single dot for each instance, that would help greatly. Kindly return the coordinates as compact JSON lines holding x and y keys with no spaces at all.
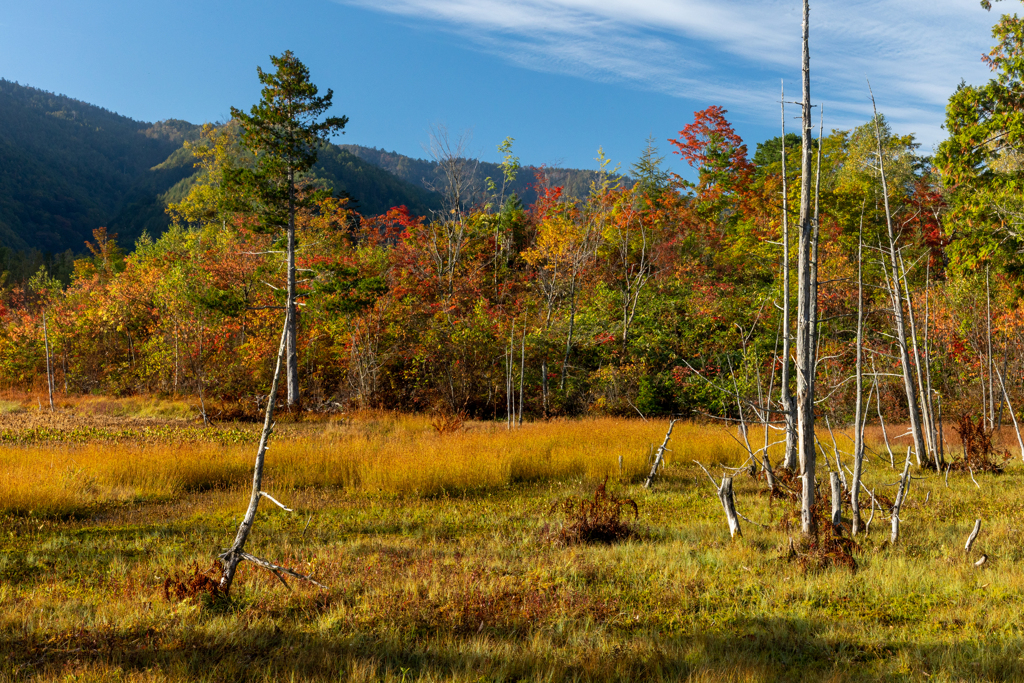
{"x":193,"y":582}
{"x":827,"y":546}
{"x":598,"y":520}
{"x":979,"y":453}
{"x":448,"y":422}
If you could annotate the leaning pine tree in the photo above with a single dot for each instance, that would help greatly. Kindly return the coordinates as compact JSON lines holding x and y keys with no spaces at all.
{"x":284,"y":132}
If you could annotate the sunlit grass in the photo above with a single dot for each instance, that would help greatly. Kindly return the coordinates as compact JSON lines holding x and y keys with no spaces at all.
{"x":375,"y":453}
{"x":439,"y":559}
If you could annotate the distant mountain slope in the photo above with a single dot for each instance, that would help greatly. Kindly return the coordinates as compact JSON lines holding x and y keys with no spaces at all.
{"x":577,"y":183}
{"x":67,"y":167}
{"x":374,"y":189}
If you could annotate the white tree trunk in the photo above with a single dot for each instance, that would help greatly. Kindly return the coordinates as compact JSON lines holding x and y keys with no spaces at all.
{"x":897,"y":304}
{"x":788,"y":405}
{"x":806,"y":306}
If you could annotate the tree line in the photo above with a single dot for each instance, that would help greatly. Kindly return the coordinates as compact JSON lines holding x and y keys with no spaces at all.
{"x":658,"y":296}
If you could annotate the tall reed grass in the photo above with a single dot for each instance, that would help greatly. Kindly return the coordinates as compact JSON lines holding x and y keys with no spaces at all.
{"x":392,"y":454}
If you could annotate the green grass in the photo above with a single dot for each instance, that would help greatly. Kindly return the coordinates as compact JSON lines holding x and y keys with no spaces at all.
{"x":469,"y":586}
{"x":7,"y":407}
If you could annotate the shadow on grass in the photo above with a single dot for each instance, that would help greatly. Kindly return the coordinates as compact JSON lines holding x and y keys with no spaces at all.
{"x":761,"y":649}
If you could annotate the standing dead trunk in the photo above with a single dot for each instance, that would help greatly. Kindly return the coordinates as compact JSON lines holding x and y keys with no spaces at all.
{"x":231,"y":558}
{"x":942,"y":439}
{"x":725,"y":494}
{"x":901,"y":495}
{"x":291,"y":317}
{"x":929,"y":403}
{"x":568,"y":338}
{"x":806,"y":305}
{"x":988,"y":337}
{"x":918,"y":373}
{"x":897,"y":302}
{"x":658,"y":457}
{"x":510,"y":394}
{"x":1016,"y":427}
{"x":522,"y":374}
{"x":49,"y":366}
{"x":859,"y":410}
{"x":786,"y":398}
{"x":544,"y":387}
{"x":837,"y":500}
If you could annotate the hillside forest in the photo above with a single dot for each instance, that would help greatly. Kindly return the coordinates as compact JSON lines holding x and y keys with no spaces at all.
{"x":643,"y":293}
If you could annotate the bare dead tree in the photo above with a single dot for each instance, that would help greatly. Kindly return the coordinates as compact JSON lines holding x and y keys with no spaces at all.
{"x":456,"y":171}
{"x":1013,"y":415}
{"x":859,"y":410}
{"x":659,"y":456}
{"x":726,"y":496}
{"x":806,"y":304}
{"x":522,"y":374}
{"x":929,"y":393}
{"x":231,"y":558}
{"x":901,"y":495}
{"x":49,"y":366}
{"x":448,"y":234}
{"x":988,"y":339}
{"x":897,"y":300}
{"x":786,"y":398}
{"x":837,"y":500}
{"x":973,"y":536}
{"x":918,"y":372}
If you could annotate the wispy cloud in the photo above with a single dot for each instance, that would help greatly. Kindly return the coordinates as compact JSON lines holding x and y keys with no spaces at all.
{"x":734,"y":52}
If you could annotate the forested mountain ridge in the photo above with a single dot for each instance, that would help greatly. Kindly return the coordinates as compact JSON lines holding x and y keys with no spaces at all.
{"x":68,"y":167}
{"x":575,"y":183}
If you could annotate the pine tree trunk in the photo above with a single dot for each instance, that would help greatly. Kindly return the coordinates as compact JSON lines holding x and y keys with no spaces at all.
{"x":292,"y":366}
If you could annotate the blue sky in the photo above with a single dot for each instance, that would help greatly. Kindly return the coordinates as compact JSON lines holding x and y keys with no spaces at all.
{"x":561,"y":76}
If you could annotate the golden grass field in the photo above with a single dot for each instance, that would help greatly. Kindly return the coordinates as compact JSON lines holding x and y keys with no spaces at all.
{"x":441,"y":562}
